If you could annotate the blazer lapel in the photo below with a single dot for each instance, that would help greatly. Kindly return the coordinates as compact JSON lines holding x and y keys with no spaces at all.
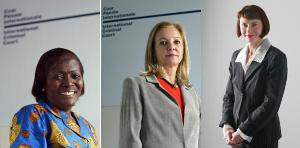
{"x":240,"y":73}
{"x":259,"y":57}
{"x":252,"y":68}
{"x":153,"y":79}
{"x":185,"y":95}
{"x":238,"y":81}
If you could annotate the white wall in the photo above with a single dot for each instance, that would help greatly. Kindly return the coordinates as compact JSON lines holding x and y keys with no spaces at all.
{"x":110,"y":126}
{"x":219,"y":41}
{"x":18,"y":61}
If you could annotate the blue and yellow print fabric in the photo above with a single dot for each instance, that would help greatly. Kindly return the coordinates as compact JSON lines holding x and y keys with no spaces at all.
{"x":41,"y":126}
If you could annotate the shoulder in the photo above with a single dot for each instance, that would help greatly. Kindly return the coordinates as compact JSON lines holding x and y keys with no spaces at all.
{"x":30,"y":108}
{"x":26,"y":126}
{"x":137,"y":80}
{"x":275,"y":54}
{"x":29,"y":114}
{"x":191,"y":89}
{"x":274,"y":51}
{"x":235,"y":54}
{"x":140,"y":83}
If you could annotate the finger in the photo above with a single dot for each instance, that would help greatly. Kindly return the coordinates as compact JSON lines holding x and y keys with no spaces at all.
{"x":235,"y":141}
{"x":230,"y":142}
{"x":227,"y":141}
{"x":229,"y":135}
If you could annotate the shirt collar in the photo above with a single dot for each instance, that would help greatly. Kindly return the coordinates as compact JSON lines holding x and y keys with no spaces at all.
{"x":259,"y":54}
{"x":58,"y":113}
{"x":153,"y":79}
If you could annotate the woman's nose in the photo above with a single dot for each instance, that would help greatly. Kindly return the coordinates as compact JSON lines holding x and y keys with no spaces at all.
{"x":171,"y":46}
{"x":67,"y":81}
{"x":249,"y":28}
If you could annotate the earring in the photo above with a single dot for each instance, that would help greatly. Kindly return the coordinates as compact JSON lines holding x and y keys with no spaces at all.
{"x":43,"y":90}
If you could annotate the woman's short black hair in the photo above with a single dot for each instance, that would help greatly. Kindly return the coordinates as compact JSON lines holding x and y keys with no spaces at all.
{"x":46,"y":61}
{"x":253,"y":12}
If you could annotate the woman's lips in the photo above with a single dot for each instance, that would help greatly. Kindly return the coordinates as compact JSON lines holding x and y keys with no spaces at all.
{"x":171,"y":55}
{"x":249,"y":36}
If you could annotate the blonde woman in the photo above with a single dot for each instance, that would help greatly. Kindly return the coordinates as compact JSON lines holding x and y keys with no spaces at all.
{"x":160,"y":108}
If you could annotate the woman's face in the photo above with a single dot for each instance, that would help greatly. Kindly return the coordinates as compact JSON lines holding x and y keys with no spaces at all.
{"x":169,"y":47}
{"x":251,"y":29}
{"x":64,"y":83}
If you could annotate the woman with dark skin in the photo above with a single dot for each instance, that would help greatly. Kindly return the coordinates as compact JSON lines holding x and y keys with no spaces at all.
{"x":58,"y":84}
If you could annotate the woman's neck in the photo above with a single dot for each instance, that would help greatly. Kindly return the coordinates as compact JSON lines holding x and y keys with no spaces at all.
{"x":170,"y":74}
{"x":253,"y":46}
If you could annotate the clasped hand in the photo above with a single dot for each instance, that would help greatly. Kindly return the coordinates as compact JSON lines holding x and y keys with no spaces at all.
{"x":233,"y":138}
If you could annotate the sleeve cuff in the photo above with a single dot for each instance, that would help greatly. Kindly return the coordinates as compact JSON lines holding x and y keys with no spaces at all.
{"x":244,"y":136}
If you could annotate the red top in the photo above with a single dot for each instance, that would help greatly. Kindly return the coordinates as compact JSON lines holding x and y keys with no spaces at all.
{"x":175,"y":92}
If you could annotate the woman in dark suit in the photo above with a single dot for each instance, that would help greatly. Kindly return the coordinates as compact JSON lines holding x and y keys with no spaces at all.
{"x":258,"y":74}
{"x":160,"y":108}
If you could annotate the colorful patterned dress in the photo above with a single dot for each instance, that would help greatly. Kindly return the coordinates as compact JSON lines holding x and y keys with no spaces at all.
{"x":42,"y":126}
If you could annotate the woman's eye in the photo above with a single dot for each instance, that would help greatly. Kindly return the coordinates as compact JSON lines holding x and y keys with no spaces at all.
{"x":177,"y":42}
{"x":59,"y":76}
{"x":76,"y":76}
{"x":163,"y":43}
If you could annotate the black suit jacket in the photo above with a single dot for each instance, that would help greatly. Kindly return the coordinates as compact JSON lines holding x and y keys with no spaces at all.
{"x":251,"y":101}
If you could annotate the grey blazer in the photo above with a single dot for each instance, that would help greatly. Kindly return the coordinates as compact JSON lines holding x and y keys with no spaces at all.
{"x":252,"y":100}
{"x":150,"y":118}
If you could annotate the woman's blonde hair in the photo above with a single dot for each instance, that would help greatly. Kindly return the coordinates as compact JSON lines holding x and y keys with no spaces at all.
{"x":151,"y":63}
